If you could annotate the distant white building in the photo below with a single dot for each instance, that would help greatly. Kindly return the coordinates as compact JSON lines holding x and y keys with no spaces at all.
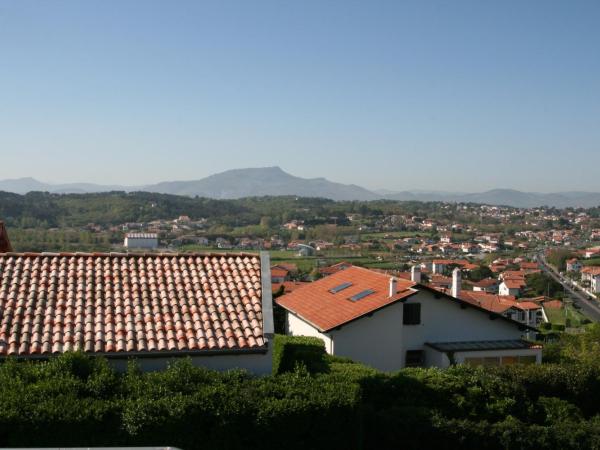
{"x":141,"y":240}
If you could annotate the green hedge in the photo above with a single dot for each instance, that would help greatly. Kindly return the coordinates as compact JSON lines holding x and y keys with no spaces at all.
{"x":292,"y":351}
{"x":78,"y":401}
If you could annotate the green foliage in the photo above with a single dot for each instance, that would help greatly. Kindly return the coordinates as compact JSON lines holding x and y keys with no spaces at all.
{"x":559,"y":257}
{"x":292,"y":351}
{"x":542,"y":284}
{"x":480,"y":273}
{"x":76,"y":400}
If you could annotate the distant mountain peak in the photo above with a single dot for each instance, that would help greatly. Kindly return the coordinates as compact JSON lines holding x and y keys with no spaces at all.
{"x":274,"y":181}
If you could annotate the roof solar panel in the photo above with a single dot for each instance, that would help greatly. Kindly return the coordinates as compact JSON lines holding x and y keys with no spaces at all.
{"x":340,"y":287}
{"x":362,"y":295}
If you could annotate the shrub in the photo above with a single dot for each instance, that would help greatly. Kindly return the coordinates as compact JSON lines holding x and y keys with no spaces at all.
{"x":290,"y":351}
{"x":558,"y":327}
{"x":545,"y":326}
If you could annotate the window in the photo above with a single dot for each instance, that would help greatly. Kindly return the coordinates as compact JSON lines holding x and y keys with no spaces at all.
{"x":508,"y":360}
{"x":339,"y":288}
{"x":414,"y":358}
{"x":412,"y":314}
{"x":485,"y":361}
{"x":362,"y":295}
{"x":496,"y":361}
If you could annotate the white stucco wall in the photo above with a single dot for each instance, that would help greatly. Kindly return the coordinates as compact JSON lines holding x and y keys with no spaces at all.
{"x":443,"y":320}
{"x":375,"y":341}
{"x":131,"y":242}
{"x":381,"y":340}
{"x":256,"y":363}
{"x":298,"y":327}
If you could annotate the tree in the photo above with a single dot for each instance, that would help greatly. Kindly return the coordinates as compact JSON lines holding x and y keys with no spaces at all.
{"x":480,"y":273}
{"x":542,"y":284}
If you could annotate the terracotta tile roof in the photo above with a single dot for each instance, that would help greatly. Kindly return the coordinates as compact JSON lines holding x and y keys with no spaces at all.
{"x":334,"y":268}
{"x":527,"y":305}
{"x":108,"y":303}
{"x":288,"y":286}
{"x":514,"y":283}
{"x":486,"y":282}
{"x":592,"y":270}
{"x":553,"y":304}
{"x":491,"y":302}
{"x":325,"y":310}
{"x":278,"y":272}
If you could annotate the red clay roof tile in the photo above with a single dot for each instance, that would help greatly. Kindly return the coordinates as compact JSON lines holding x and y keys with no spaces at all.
{"x":104,"y":303}
{"x":316,"y":304}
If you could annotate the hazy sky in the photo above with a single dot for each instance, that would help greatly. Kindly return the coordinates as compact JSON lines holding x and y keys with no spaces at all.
{"x":453,"y":95}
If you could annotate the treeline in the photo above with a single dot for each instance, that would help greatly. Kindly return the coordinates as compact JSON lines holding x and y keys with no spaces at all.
{"x":314,"y":401}
{"x":46,"y":210}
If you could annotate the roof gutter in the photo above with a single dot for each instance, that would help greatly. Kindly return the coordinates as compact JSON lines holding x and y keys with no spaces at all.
{"x":150,"y":355}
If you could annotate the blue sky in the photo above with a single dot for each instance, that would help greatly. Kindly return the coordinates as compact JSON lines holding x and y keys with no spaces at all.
{"x":449,"y":95}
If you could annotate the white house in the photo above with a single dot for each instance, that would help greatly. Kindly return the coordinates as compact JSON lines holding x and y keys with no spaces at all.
{"x":511,"y":286}
{"x":573,"y":265}
{"x":390,"y":324}
{"x":595,"y":283}
{"x":141,"y":240}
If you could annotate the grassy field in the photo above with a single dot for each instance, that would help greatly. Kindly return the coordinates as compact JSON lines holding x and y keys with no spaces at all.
{"x":591,"y":262}
{"x":559,"y":316}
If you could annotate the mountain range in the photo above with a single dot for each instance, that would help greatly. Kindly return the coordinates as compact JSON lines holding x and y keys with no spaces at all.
{"x":253,"y":182}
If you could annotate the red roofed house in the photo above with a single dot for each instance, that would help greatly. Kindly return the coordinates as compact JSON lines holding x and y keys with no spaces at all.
{"x":278,"y":274}
{"x":573,"y":265}
{"x":324,"y":271}
{"x":511,"y":286}
{"x":489,"y":285}
{"x":214,"y":308}
{"x":389,"y":323}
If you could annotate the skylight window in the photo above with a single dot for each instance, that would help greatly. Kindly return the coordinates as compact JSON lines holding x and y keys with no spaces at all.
{"x":362,"y":295}
{"x":340,"y":287}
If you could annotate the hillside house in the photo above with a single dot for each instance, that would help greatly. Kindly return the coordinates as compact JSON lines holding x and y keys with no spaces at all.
{"x":489,"y":285}
{"x":147,"y":241}
{"x":595,"y":284}
{"x":511,"y":286}
{"x":279,"y":274}
{"x":573,"y":265}
{"x":214,"y":308}
{"x":389,"y":323}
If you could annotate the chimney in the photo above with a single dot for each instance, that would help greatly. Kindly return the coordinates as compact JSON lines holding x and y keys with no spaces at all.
{"x":415,"y":274}
{"x":4,"y":242}
{"x":456,"y":282}
{"x":393,"y":286}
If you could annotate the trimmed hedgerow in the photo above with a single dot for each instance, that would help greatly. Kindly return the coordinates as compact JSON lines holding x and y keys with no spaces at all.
{"x":291,"y":351}
{"x":79,"y":401}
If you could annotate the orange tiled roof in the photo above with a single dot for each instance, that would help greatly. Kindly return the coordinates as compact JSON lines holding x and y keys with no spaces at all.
{"x":110,"y":303}
{"x":486,"y":282}
{"x":527,"y":305}
{"x":592,"y":270}
{"x":325,"y":310}
{"x":279,"y":272}
{"x":334,"y":268}
{"x":491,"y":302}
{"x":288,"y":286}
{"x":514,"y":283}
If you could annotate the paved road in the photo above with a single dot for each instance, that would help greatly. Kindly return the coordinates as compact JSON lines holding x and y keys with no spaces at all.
{"x":590,"y":308}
